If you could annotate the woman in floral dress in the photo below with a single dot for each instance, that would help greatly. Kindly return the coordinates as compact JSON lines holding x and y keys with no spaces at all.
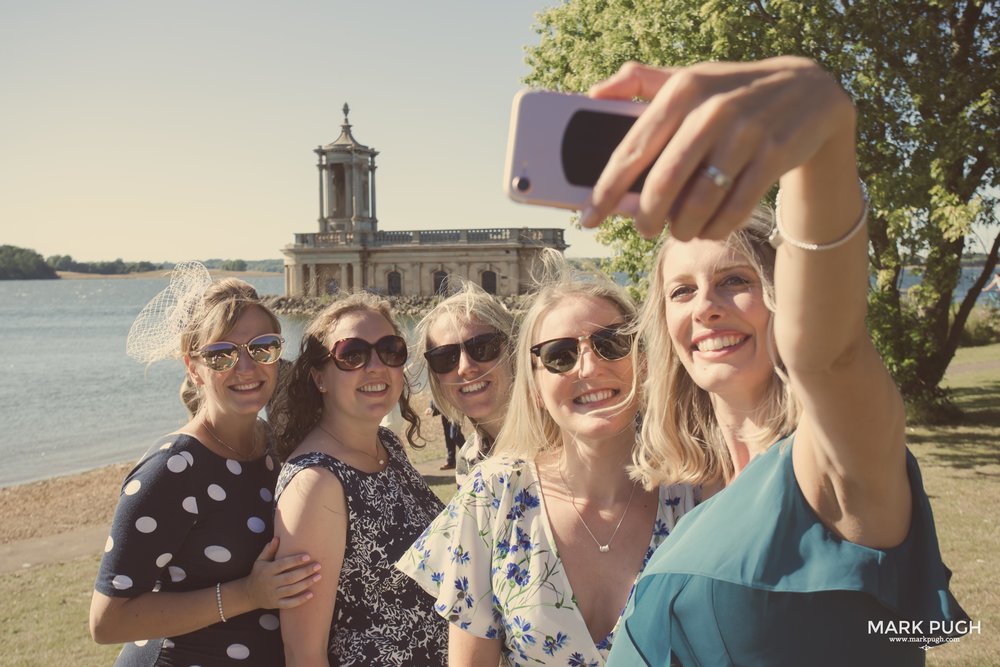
{"x":533,"y":560}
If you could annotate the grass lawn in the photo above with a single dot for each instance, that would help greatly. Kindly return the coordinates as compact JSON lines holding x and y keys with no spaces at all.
{"x":43,"y":619}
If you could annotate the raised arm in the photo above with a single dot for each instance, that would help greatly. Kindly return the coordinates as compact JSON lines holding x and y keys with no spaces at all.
{"x":719,"y":135}
{"x":312,"y":515}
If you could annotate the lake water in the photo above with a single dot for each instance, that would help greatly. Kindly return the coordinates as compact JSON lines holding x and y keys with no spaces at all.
{"x":70,"y":399}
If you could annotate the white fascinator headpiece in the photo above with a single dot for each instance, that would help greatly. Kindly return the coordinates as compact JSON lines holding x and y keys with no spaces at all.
{"x":156,"y":332}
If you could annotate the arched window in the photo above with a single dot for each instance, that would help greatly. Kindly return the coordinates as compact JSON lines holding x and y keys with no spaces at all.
{"x":440,"y":282}
{"x":490,"y":282}
{"x":394,"y":283}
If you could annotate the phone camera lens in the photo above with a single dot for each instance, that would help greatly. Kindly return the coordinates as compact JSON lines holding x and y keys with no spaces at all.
{"x":522,"y":184}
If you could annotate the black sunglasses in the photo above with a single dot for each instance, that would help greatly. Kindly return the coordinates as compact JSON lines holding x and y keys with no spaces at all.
{"x":481,"y":348}
{"x":222,"y":356}
{"x":351,"y":354}
{"x":560,"y":355}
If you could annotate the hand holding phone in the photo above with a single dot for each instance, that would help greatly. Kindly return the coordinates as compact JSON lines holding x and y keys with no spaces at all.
{"x":558,"y":145}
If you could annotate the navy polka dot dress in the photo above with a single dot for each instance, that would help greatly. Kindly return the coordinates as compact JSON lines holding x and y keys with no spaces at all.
{"x":187,"y":519}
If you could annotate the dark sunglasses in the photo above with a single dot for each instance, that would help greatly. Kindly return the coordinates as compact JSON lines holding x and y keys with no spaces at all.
{"x":223,"y":356}
{"x":481,"y":348}
{"x":560,"y":355}
{"x":351,"y":354}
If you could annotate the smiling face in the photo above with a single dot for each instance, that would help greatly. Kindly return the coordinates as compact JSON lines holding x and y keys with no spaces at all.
{"x":245,"y":388}
{"x":479,"y":390}
{"x":717,"y":318}
{"x":360,"y":397}
{"x":585,"y":401}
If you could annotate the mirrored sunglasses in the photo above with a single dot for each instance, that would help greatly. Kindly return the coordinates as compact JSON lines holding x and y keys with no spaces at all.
{"x":351,"y":354}
{"x":481,"y":348}
{"x":560,"y":355}
{"x":223,"y":356}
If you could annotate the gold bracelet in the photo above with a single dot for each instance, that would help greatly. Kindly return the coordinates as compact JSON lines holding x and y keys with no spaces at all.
{"x":778,"y":235}
{"x":218,"y":601}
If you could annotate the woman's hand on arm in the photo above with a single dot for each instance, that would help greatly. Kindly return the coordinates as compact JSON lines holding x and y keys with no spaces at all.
{"x":312,"y":516}
{"x":274,"y":583}
{"x":469,"y":650}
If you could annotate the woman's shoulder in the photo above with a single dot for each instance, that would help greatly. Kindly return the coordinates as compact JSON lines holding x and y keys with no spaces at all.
{"x":312,"y":472}
{"x":504,"y":470}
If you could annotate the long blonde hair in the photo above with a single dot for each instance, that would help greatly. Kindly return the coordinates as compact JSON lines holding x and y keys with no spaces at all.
{"x":298,"y":405}
{"x":216,"y":314}
{"x":681,"y":440}
{"x":529,"y":429}
{"x":469,"y":304}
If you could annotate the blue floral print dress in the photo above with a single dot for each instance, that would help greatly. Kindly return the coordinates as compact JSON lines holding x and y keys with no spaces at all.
{"x":491,"y":562}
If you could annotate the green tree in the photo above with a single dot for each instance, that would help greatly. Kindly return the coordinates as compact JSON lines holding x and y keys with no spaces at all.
{"x":923,"y":75}
{"x":234,"y":265}
{"x":23,"y":264}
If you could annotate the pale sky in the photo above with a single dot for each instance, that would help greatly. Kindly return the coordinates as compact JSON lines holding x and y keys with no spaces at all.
{"x":169,"y":131}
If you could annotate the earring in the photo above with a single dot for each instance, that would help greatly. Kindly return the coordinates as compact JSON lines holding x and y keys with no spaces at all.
{"x":322,"y":389}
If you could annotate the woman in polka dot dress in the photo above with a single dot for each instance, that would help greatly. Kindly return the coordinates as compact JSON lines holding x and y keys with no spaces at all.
{"x":190,"y":560}
{"x":349,"y":496}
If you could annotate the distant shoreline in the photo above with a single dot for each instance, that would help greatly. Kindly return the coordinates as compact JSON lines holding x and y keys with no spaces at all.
{"x":163,"y":273}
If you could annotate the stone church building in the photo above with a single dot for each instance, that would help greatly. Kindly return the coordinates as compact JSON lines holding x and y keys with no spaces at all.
{"x":350,"y":252}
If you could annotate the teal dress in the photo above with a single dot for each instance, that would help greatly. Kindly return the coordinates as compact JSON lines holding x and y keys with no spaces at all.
{"x":752,"y":577}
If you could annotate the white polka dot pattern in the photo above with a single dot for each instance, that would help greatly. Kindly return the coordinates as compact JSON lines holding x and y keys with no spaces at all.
{"x":141,"y":642}
{"x":216,"y":492}
{"x":238,"y":652}
{"x":121,"y":582}
{"x":176,"y":574}
{"x":218,"y":554}
{"x":145,"y":524}
{"x":177,"y":463}
{"x":188,"y":456}
{"x":269,"y":462}
{"x":256,"y":524}
{"x":163,"y":560}
{"x":269,"y":622}
{"x":168,"y":644}
{"x":132,"y":487}
{"x":266,"y":495}
{"x":190,"y":505}
{"x":234,"y":466}
{"x":109,"y":545}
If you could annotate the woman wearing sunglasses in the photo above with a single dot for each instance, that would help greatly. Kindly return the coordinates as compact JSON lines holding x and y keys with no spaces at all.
{"x":191,"y":555}
{"x":533,"y":560}
{"x":466,"y":343}
{"x":764,"y":384}
{"x":349,"y":496}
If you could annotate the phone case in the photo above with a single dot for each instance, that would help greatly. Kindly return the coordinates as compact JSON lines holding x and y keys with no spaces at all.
{"x":558,"y":143}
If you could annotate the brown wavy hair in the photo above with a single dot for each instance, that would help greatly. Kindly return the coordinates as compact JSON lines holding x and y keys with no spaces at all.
{"x":223,"y":304}
{"x":298,"y":404}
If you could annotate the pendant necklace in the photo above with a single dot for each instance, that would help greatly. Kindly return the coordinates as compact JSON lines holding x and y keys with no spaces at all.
{"x":603,"y":548}
{"x":378,"y":459}
{"x":241,"y":455}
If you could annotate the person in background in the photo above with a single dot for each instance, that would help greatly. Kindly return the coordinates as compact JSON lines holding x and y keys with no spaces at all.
{"x":348,"y":495}
{"x":453,"y":436}
{"x":534,"y":558}
{"x":191,"y":556}
{"x":764,"y":385}
{"x":465,"y":342}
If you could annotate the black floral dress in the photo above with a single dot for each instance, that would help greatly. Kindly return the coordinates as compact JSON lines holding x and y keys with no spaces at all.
{"x":382,"y":617}
{"x":187,"y":519}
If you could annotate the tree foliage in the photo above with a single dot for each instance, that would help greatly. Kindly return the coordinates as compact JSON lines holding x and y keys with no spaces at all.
{"x":105,"y":268}
{"x":923,"y":75}
{"x":23,"y":264}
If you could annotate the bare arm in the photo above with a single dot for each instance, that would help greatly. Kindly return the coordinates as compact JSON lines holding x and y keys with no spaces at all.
{"x":471,"y":651}
{"x":757,"y":122}
{"x":281,"y":583}
{"x":312,"y":515}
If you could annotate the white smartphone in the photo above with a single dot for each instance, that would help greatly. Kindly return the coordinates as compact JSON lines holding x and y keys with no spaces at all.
{"x":559,"y":143}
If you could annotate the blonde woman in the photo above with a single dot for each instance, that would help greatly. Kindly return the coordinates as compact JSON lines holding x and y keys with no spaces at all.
{"x":189,"y":574}
{"x":820,"y":529}
{"x":349,"y":496}
{"x":534,"y":558}
{"x":466,"y":344}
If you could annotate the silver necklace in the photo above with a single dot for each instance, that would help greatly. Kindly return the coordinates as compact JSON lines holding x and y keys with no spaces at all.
{"x":253,"y":446}
{"x":603,"y":548}
{"x":379,"y":459}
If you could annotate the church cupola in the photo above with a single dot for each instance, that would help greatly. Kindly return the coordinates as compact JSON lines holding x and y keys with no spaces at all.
{"x":346,"y":183}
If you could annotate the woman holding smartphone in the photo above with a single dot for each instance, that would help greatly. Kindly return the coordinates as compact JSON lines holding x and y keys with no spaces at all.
{"x":534,"y":558}
{"x":769,"y":393}
{"x":189,"y":574}
{"x":349,"y":496}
